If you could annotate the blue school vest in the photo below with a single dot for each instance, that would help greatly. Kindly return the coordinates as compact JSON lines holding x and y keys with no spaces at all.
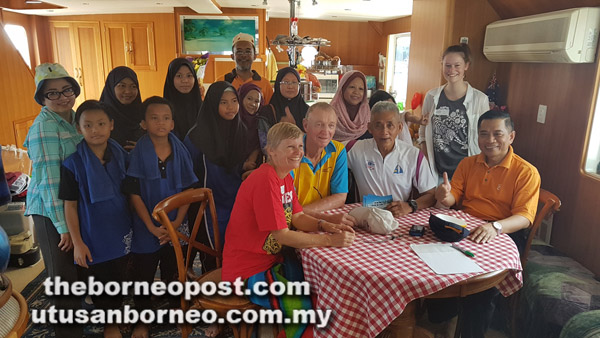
{"x":143,"y":166}
{"x":104,"y":219}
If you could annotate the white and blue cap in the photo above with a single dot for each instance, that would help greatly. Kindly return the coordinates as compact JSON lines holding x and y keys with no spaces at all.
{"x":51,"y":71}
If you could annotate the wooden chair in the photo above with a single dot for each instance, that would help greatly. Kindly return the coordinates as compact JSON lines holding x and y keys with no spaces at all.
{"x":217,"y":303}
{"x":550,"y":204}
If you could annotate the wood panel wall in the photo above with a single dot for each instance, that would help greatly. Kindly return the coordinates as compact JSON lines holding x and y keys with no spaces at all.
{"x":470,"y":19}
{"x":151,"y":81}
{"x":356,"y":43}
{"x":26,"y":22}
{"x":17,"y":92}
{"x":556,"y":148}
{"x":430,"y":26}
{"x":514,"y":8}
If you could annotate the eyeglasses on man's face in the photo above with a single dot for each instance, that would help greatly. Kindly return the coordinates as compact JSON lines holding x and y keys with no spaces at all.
{"x":289,"y":84}
{"x":243,"y":52}
{"x":56,"y":95}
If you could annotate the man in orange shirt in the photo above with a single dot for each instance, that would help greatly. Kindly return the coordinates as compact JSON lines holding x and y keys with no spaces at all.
{"x":500,"y":187}
{"x":244,"y":53}
{"x":496,"y":185}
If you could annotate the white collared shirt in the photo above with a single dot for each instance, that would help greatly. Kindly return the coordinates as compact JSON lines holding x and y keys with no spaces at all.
{"x":395,"y":175}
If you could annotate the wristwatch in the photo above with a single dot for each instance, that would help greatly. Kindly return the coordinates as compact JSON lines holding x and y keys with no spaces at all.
{"x":497,"y":226}
{"x":413,"y":205}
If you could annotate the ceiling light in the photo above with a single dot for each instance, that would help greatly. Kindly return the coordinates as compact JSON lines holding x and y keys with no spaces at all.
{"x":315,"y":2}
{"x":265,"y":3}
{"x":30,"y":2}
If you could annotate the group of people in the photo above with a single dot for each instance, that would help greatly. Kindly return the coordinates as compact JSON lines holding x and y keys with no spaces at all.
{"x":274,"y":164}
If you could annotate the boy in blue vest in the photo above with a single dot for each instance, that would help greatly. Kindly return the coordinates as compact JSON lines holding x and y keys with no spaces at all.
{"x":160,"y":167}
{"x":96,"y":212}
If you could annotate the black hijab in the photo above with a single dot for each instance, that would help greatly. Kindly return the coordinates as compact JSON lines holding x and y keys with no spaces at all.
{"x":127,"y":117}
{"x":187,"y":105}
{"x":222,"y":142}
{"x":378,"y":96}
{"x":297,"y":105}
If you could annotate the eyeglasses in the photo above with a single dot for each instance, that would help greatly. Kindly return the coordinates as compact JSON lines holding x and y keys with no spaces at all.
{"x":243,"y":52}
{"x":56,"y":95}
{"x":291,"y":84}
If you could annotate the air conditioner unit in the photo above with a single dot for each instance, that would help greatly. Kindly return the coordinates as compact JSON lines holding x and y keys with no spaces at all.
{"x":567,"y":36}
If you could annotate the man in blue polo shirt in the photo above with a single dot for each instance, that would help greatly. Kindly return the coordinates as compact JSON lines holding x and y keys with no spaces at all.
{"x":321,"y":180}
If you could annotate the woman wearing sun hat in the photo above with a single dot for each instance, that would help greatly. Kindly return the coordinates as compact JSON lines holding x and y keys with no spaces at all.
{"x":52,"y":138}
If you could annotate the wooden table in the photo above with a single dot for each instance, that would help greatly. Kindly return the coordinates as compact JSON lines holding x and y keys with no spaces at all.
{"x":369,"y":285}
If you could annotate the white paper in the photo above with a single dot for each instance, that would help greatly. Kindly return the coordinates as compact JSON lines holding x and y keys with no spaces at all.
{"x":443,"y":259}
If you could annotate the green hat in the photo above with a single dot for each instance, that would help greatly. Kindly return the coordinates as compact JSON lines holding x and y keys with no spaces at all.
{"x":51,"y":71}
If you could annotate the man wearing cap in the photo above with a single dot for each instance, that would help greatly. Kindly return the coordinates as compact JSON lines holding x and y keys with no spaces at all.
{"x":244,"y":53}
{"x":499,"y":187}
{"x":385,"y":165}
{"x":321,"y":179}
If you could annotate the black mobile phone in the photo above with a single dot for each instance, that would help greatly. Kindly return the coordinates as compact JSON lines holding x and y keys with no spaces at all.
{"x":417,"y":230}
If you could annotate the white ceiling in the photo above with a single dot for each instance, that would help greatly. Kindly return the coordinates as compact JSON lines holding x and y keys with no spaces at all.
{"x":346,"y":10}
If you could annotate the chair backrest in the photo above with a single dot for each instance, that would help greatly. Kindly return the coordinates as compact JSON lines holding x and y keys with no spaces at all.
{"x":203,"y":196}
{"x":550,"y":204}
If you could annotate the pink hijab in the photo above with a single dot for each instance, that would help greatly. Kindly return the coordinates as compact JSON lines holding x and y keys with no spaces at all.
{"x":347,"y":129}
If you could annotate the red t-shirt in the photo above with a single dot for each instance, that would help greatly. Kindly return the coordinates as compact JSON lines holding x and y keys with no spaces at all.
{"x":264,"y":203}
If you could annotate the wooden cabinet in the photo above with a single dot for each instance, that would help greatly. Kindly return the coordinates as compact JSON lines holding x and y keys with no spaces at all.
{"x":129,"y":44}
{"x":78,"y":47}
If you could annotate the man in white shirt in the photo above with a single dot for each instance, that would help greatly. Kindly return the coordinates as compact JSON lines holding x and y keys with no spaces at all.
{"x":385,"y":165}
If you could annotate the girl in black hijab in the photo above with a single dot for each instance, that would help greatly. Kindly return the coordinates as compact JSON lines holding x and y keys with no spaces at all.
{"x":287,"y":95}
{"x":183,"y":91}
{"x":217,"y":144}
{"x":121,"y":93}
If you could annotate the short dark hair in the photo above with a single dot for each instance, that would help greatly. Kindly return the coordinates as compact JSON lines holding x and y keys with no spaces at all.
{"x":157,"y":100}
{"x":92,"y":105}
{"x":462,"y":48}
{"x":497,"y":114}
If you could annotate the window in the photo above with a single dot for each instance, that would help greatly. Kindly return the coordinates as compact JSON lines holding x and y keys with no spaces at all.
{"x":397,"y":65}
{"x":18,"y":36}
{"x":592,"y":160}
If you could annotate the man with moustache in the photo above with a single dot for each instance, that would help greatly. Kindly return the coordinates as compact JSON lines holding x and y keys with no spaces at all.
{"x":244,"y":53}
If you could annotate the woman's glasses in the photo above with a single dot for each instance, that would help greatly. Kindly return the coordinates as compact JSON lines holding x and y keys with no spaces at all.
{"x":56,"y":95}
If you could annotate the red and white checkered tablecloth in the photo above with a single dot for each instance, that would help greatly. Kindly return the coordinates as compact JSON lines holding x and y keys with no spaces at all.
{"x":368,"y":285}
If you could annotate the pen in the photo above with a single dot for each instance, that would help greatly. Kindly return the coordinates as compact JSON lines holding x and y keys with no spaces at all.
{"x":465,"y":252}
